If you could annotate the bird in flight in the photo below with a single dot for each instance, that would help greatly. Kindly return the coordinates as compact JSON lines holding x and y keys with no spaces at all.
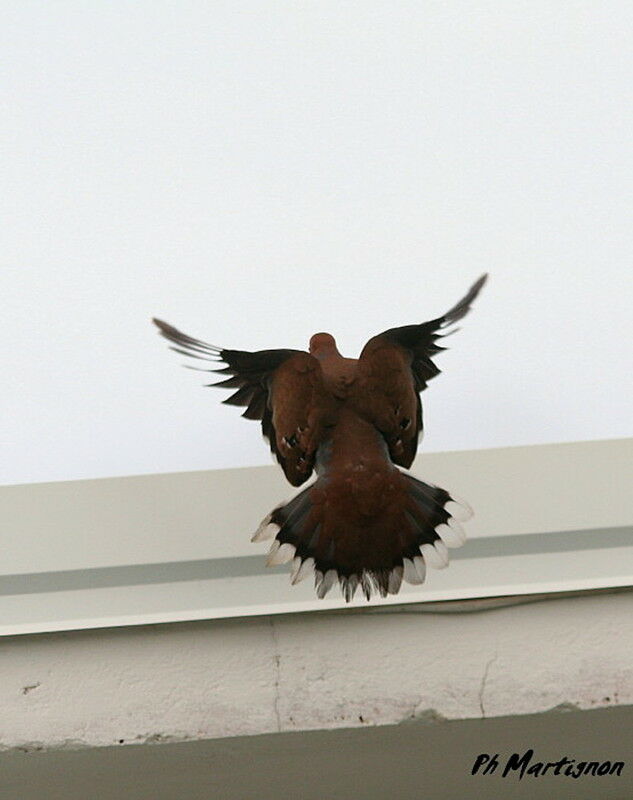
{"x":363,"y":521}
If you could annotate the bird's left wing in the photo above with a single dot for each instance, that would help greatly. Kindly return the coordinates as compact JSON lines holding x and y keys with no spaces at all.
{"x":282,"y":388}
{"x":394,"y":367}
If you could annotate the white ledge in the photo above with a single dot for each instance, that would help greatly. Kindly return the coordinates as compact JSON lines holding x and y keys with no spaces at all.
{"x":175,"y":547}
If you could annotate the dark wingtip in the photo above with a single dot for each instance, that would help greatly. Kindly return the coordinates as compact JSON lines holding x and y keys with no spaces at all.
{"x":463,"y":306}
{"x":475,"y":288}
{"x":479,"y":284}
{"x":163,"y":327}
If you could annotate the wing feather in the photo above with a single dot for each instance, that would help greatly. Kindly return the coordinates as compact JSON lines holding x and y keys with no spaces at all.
{"x":281,"y":388}
{"x":395,"y":366}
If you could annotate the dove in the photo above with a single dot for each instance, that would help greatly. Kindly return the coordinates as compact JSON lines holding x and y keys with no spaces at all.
{"x":356,"y":423}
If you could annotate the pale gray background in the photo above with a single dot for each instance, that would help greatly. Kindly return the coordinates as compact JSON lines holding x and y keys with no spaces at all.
{"x":254,"y":172}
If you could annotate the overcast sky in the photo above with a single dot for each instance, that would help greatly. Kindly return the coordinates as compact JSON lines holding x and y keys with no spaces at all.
{"x":254,"y":172}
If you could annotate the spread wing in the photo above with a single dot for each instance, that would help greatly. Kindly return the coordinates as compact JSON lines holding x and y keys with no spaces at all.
{"x":282,"y":388}
{"x":394,"y":367}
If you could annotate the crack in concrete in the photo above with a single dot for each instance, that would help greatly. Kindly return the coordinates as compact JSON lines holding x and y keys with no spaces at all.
{"x":482,"y":686}
{"x":276,"y":662}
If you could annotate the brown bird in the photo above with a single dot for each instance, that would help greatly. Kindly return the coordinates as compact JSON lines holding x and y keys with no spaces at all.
{"x":354,"y":422}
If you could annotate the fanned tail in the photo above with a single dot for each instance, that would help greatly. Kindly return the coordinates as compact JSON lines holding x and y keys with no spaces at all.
{"x":371,"y":530}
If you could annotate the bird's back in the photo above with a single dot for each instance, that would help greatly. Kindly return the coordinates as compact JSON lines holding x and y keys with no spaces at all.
{"x":339,"y":374}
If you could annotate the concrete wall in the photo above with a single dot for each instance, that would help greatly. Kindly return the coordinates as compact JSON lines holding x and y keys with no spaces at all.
{"x":300,"y":672}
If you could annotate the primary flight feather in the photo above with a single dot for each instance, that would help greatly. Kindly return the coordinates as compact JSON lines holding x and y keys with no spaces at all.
{"x":363,"y":522}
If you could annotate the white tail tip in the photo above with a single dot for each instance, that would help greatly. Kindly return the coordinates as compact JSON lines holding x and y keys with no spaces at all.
{"x":305,"y":570}
{"x":281,"y":554}
{"x":435,"y":555}
{"x":266,"y":530}
{"x":459,"y":508}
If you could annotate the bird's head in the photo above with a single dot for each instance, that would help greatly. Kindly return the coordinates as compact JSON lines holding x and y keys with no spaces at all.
{"x":323,"y":344}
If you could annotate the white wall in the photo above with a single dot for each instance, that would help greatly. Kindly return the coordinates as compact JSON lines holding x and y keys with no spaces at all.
{"x":255,"y":172}
{"x":233,"y":677}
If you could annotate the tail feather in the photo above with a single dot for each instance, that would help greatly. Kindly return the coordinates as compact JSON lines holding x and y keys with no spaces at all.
{"x":329,"y":532}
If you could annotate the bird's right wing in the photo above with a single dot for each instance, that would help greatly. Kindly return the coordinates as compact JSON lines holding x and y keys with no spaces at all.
{"x":282,"y":388}
{"x":395,"y":366}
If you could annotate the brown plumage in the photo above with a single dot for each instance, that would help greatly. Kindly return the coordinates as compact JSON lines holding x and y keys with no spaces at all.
{"x":363,"y":522}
